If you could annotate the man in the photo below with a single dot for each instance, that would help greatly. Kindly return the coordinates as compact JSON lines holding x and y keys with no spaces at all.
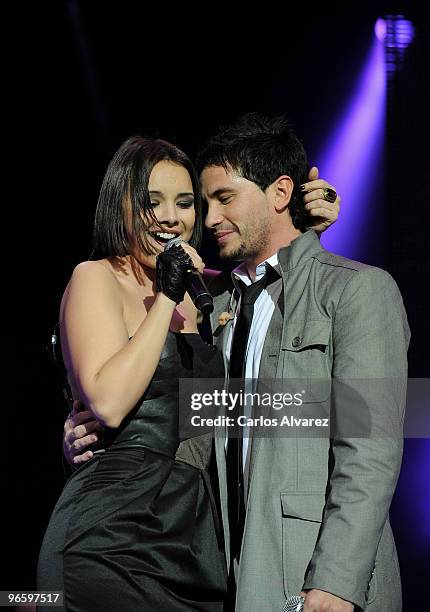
{"x":317,"y":509}
{"x":316,"y":516}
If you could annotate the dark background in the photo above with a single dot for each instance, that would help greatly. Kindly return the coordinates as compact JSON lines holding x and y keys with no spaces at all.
{"x":86,"y":75}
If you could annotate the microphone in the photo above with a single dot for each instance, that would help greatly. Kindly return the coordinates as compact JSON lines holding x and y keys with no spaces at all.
{"x":294,"y":604}
{"x":195,"y":284}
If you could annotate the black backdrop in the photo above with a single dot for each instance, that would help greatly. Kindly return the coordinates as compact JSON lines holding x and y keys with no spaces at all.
{"x":84,"y":76}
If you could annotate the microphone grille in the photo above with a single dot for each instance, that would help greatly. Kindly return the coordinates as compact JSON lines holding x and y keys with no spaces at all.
{"x":172,"y":242}
{"x":294,"y":604}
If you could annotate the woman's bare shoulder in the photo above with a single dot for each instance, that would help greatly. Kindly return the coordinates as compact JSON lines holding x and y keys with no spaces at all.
{"x":90,"y":278}
{"x":93,"y":268}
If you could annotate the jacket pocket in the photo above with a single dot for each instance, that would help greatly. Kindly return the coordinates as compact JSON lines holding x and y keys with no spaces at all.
{"x":301,"y":522}
{"x":306,"y":359}
{"x":304,"y":506}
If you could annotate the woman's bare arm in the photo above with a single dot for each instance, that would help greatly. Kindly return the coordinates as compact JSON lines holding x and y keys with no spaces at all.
{"x":110,"y":373}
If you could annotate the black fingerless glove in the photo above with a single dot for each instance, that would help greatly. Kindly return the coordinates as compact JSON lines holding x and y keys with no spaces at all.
{"x":172,"y":266}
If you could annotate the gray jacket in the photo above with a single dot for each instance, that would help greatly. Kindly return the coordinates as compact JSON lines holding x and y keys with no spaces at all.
{"x":317,"y":509}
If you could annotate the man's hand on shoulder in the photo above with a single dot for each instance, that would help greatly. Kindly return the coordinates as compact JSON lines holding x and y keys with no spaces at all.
{"x":321,"y":601}
{"x":80,"y":431}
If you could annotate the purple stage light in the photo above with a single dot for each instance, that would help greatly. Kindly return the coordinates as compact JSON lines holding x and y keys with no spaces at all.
{"x":380,"y":29}
{"x":396,"y":33}
{"x":353,"y":160}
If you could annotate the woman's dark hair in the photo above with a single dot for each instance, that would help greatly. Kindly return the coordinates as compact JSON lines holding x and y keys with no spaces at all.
{"x":126,"y":180}
{"x":261,"y":149}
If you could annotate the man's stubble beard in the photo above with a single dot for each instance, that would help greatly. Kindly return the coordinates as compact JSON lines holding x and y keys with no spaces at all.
{"x":254,"y":241}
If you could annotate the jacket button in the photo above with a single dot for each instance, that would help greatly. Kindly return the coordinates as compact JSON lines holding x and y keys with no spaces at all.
{"x":297,"y":341}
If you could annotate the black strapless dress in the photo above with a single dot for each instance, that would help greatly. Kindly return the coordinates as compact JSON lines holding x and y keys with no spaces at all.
{"x":137,"y":528}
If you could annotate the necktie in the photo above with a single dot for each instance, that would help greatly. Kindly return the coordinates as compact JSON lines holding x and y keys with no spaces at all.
{"x":236,"y":501}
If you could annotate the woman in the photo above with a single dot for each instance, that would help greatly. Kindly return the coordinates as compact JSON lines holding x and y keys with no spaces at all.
{"x":137,"y":528}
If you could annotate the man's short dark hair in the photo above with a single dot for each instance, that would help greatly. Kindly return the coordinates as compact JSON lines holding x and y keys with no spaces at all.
{"x":260,"y":149}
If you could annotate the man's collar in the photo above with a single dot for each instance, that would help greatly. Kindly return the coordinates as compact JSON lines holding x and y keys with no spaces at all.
{"x":299,"y":250}
{"x":241,"y":272}
{"x":302,"y":248}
